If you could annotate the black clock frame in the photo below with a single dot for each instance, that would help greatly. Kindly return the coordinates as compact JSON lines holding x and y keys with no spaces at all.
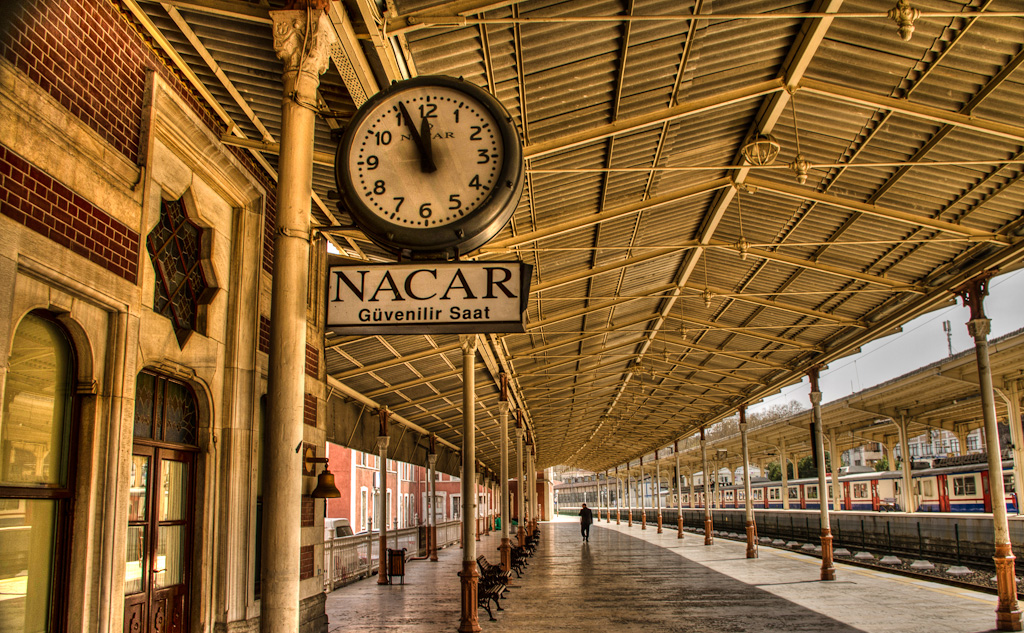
{"x":463,"y":235}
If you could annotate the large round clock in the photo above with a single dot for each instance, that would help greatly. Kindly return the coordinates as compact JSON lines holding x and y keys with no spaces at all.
{"x":430,"y":167}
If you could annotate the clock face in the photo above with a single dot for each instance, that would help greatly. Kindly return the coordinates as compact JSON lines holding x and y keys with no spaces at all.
{"x":431,"y":166}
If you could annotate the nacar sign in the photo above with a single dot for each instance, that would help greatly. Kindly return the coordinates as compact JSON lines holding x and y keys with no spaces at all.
{"x":428,"y":298}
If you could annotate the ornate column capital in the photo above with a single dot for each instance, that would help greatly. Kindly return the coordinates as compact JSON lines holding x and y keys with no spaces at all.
{"x":432,"y":460}
{"x":468,"y":343}
{"x":503,"y":407}
{"x":815,"y":397}
{"x":302,"y":41}
{"x":382,"y":442}
{"x":979,"y":328}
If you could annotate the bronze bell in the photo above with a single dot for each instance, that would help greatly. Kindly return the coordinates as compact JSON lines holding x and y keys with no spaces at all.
{"x":325,"y":488}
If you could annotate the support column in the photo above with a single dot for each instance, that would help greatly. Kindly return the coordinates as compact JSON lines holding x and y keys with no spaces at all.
{"x":520,"y":509}
{"x":301,"y":42}
{"x":961,"y":430}
{"x":469,"y":622}
{"x":708,"y":521}
{"x":607,"y":497}
{"x":748,"y":504}
{"x":432,"y":529}
{"x":382,"y":527}
{"x":643,"y":498}
{"x":1012,"y":401}
{"x":506,"y":548}
{"x":906,"y":463}
{"x":828,"y":570}
{"x":693,"y":497}
{"x":1007,"y":610}
{"x":679,"y":495}
{"x":480,"y":510}
{"x":656,"y":489}
{"x":618,"y":497}
{"x":837,"y":461}
{"x":784,"y":462}
{"x":629,"y":501}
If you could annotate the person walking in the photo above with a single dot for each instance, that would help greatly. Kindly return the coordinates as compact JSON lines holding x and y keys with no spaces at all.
{"x":586,"y":518}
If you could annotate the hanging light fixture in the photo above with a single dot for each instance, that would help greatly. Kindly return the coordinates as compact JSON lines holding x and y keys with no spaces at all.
{"x":904,"y":15}
{"x":706,"y":294}
{"x":761,"y":150}
{"x":800,"y":164}
{"x":741,"y":245}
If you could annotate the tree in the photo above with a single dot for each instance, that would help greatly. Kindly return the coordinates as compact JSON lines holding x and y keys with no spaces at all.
{"x":775,"y":471}
{"x":882,"y":464}
{"x":806,"y":466}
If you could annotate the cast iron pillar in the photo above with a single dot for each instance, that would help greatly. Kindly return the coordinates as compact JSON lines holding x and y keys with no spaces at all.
{"x":1007,"y":610}
{"x":748,"y":502}
{"x":828,"y":570}
{"x":679,"y":494}
{"x":709,"y":525}
{"x":302,"y":42}
{"x":520,"y":487}
{"x":629,"y":501}
{"x":432,"y":521}
{"x":469,"y":621}
{"x":506,"y":548}
{"x":643,"y":498}
{"x":657,"y":489}
{"x":382,"y":450}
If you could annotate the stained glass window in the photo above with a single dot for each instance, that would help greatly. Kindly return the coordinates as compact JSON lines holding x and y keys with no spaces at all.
{"x":183,"y":285}
{"x":165,"y":410}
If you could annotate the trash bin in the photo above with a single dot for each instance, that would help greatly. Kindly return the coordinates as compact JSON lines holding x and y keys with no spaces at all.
{"x":497,"y":523}
{"x":396,"y":564}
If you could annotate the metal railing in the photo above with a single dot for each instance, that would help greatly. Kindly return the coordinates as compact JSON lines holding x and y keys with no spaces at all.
{"x":349,"y":558}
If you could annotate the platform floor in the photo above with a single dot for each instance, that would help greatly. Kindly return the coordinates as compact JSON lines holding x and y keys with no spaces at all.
{"x":626,"y":579}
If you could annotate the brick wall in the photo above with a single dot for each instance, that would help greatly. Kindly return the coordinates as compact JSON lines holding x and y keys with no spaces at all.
{"x":308,"y":511}
{"x":29,"y":196}
{"x":312,"y":361}
{"x":305,"y":562}
{"x":309,"y":409}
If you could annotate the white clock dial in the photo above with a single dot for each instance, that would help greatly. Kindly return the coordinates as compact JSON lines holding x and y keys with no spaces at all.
{"x":426,"y":157}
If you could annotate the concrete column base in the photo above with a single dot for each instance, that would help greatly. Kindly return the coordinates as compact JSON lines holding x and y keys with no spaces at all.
{"x":828,"y":570}
{"x":433,"y":543}
{"x":630,"y":519}
{"x":752,"y":540}
{"x":709,"y":527}
{"x":1007,"y":608}
{"x":608,"y":516}
{"x":521,"y":535}
{"x":617,"y":522}
{"x":679,"y":523}
{"x":643,"y":520}
{"x":659,"y":521}
{"x":469,"y":622}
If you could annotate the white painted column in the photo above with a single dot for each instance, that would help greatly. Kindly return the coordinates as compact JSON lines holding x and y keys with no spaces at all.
{"x":382,"y":508}
{"x":469,"y":575}
{"x":1008,"y":614}
{"x":784,"y":462}
{"x":629,"y":500}
{"x":656,"y":490}
{"x":301,"y":42}
{"x":906,"y":464}
{"x":1011,"y":396}
{"x":828,"y":570}
{"x":708,"y":521}
{"x":748,"y":504}
{"x":520,"y":485}
{"x":679,"y":496}
{"x":432,"y":493}
{"x":506,"y":549}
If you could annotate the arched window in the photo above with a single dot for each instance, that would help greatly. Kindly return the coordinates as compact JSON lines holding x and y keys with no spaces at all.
{"x":35,"y":473}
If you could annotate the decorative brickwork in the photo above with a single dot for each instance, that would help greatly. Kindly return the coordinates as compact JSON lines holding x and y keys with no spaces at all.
{"x":305,"y":562}
{"x":264,"y":343}
{"x":29,"y":196}
{"x":309,"y":409}
{"x":80,"y":52}
{"x":312,"y":361}
{"x":308,"y":511}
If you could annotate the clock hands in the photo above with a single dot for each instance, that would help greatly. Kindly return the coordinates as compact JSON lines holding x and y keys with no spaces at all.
{"x":426,"y":151}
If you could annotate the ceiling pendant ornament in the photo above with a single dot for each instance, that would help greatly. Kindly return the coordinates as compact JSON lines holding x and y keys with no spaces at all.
{"x":761,"y":150}
{"x":904,"y":16}
{"x":800,"y":164}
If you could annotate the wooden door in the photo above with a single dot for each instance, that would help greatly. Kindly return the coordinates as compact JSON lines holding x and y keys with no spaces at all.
{"x":158,"y":552}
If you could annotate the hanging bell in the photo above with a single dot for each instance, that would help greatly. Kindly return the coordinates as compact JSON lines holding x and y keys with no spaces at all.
{"x":325,"y":487}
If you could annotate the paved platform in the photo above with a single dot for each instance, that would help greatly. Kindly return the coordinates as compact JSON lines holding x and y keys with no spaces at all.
{"x":626,"y":579}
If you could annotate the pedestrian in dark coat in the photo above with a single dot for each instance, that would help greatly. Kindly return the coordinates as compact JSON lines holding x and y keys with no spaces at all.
{"x":586,"y":518}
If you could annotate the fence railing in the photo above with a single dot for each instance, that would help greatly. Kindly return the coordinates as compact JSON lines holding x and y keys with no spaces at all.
{"x":349,"y":558}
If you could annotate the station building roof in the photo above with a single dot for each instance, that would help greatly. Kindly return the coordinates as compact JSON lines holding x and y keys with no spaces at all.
{"x":674,"y":280}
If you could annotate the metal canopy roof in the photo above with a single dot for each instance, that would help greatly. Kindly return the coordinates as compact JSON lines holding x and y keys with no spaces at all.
{"x":674,"y":280}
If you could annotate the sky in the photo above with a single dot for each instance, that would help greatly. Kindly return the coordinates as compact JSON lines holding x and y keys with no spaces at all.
{"x":921,"y":342}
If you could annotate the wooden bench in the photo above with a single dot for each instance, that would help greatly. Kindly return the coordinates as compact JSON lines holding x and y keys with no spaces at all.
{"x":518,"y":559}
{"x":492,"y":585}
